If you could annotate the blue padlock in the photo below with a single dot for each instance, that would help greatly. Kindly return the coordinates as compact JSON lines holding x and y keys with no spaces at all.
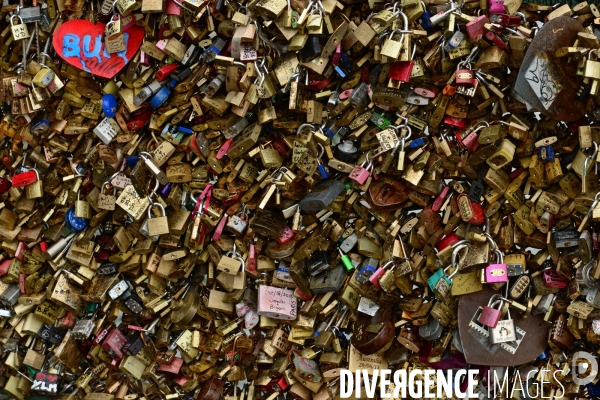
{"x":425,"y":20}
{"x":160,"y":97}
{"x":346,"y":61}
{"x":109,"y":105}
{"x":593,"y":389}
{"x":339,"y":71}
{"x":417,"y":143}
{"x":367,"y":269}
{"x":131,"y":161}
{"x":73,"y":223}
{"x":185,"y":130}
{"x":546,"y":153}
{"x":40,"y":124}
{"x":322,"y":171}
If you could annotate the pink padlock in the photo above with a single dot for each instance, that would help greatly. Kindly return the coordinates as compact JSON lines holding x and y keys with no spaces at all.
{"x":497,"y":273}
{"x":286,"y":235}
{"x":374,"y":279}
{"x":497,"y":7}
{"x":475,"y":28}
{"x":489,"y":315}
{"x":553,"y":280}
{"x":278,"y":303}
{"x":219,"y":229}
{"x":173,"y":8}
{"x":360,"y":174}
{"x":5,"y":266}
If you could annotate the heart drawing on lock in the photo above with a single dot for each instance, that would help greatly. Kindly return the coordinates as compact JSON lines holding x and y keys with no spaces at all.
{"x":81,"y":44}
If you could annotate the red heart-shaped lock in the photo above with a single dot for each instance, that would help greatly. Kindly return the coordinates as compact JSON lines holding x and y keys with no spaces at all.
{"x":81,"y":44}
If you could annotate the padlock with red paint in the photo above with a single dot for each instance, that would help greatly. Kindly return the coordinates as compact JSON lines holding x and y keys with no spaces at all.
{"x":113,"y":344}
{"x":470,"y":142}
{"x":25,"y":178}
{"x":506,"y":20}
{"x":439,"y":201}
{"x":492,"y":37}
{"x":465,"y":76}
{"x":286,"y":236}
{"x":458,"y":123}
{"x":475,"y":28}
{"x":401,"y":70}
{"x":489,"y":315}
{"x":497,"y":273}
{"x":470,"y":212}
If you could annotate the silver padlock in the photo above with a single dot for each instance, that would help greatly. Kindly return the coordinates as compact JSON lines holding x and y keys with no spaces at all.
{"x":30,"y":14}
{"x":505,"y":331}
{"x":10,"y":295}
{"x":107,"y":130}
{"x":584,"y":276}
{"x":349,"y":243}
{"x":83,"y":329}
{"x":563,"y":239}
{"x":432,"y":330}
{"x":118,"y":290}
{"x":146,"y":93}
{"x":544,"y":304}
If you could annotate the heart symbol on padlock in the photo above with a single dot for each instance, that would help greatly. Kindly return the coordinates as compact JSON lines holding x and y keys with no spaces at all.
{"x":52,"y":378}
{"x":40,"y":376}
{"x":81,"y":44}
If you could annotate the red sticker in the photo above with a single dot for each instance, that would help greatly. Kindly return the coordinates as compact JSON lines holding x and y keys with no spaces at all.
{"x":81,"y":44}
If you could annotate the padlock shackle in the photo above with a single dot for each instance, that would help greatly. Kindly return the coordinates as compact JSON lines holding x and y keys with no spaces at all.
{"x":457,"y":248}
{"x":160,"y":206}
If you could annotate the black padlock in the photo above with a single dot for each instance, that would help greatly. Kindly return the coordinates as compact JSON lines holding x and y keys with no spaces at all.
{"x":322,"y":195}
{"x":311,"y":50}
{"x":346,"y":151}
{"x":133,"y":302}
{"x":46,"y":383}
{"x":181,"y":73}
{"x":477,"y":187}
{"x":317,"y":262}
{"x":108,"y":269}
{"x":134,"y":343}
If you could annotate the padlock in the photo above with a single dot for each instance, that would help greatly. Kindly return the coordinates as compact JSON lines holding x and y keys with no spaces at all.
{"x":504,"y":331}
{"x":497,"y":273}
{"x":157,"y":226}
{"x":441,"y":284}
{"x":20,"y":30}
{"x":46,"y":383}
{"x":489,"y":315}
{"x":361,"y":172}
